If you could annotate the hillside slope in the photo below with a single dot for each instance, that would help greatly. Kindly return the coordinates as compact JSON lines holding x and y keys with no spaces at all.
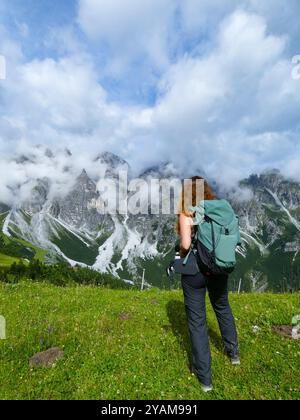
{"x":14,"y":248}
{"x":135,"y":345}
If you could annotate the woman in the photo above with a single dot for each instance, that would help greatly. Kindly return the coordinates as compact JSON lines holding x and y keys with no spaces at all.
{"x":194,"y":289}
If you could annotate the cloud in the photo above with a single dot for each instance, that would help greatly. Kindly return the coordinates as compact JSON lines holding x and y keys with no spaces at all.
{"x":225,"y":107}
{"x":226,"y":103}
{"x":63,"y":102}
{"x":28,"y":166}
{"x":131,"y":28}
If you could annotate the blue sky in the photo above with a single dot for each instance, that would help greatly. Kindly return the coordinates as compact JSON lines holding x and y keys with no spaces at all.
{"x":39,"y":17}
{"x":33,"y":23}
{"x":206,"y":82}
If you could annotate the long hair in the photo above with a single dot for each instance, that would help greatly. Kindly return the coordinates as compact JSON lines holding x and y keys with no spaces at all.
{"x":189,"y":197}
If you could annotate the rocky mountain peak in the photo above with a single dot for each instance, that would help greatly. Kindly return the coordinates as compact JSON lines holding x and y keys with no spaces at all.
{"x":83,"y":174}
{"x":112,"y":165}
{"x":163,"y":170}
{"x":112,"y":160}
{"x":286,"y":190}
{"x":85,"y":181}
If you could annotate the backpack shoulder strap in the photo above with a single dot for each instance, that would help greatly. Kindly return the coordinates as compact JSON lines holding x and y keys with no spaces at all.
{"x":199,"y":213}
{"x":194,"y":238}
{"x":213,"y":238}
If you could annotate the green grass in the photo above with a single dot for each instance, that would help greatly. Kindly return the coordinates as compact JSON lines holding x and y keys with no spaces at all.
{"x":40,"y":253}
{"x":145,"y":356}
{"x":73,"y":247}
{"x":35,"y":252}
{"x":6,"y":260}
{"x":28,"y":249}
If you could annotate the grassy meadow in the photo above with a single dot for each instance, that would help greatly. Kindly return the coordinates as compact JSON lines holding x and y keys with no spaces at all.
{"x":127,"y":344}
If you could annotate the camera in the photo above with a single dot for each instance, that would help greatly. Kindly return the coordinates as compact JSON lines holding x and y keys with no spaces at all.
{"x":170,"y":269}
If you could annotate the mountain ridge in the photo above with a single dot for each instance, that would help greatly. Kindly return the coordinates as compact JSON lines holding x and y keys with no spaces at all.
{"x":68,"y":227}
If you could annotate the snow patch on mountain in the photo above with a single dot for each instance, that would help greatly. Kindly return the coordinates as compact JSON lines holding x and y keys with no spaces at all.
{"x":280,"y":204}
{"x":69,"y":229}
{"x":107,"y":250}
{"x":262,"y":248}
{"x":5,"y":228}
{"x":136,"y":247}
{"x":127,"y":242}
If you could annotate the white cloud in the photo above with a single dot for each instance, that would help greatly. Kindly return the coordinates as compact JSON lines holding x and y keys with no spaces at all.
{"x":221,"y":107}
{"x":131,"y":28}
{"x":231,"y":109}
{"x":63,"y":101}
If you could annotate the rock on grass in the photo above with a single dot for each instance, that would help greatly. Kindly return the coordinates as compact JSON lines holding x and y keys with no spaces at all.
{"x":283,"y":330}
{"x":46,"y":358}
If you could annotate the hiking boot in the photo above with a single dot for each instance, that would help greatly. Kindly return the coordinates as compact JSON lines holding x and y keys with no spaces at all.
{"x":206,"y":388}
{"x":235,"y":360}
{"x":234,"y":356}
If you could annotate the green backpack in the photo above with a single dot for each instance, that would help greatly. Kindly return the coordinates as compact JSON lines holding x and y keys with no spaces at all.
{"x":217,"y":235}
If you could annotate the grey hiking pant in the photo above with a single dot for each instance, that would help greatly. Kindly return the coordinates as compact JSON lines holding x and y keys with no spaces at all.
{"x":194,"y":290}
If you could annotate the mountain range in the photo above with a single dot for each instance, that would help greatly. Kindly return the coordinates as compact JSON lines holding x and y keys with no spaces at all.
{"x":55,"y":227}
